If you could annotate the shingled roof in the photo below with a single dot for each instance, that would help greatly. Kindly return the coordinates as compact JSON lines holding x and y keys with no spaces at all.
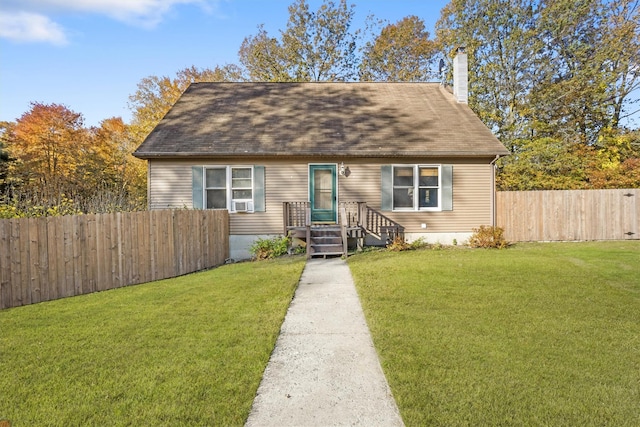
{"x":311,"y":119}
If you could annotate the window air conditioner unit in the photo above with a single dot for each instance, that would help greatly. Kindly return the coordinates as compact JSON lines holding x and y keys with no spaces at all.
{"x":245,"y":206}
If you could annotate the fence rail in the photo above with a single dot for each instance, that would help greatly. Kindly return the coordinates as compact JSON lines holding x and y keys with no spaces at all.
{"x":569,"y":215}
{"x":43,"y":259}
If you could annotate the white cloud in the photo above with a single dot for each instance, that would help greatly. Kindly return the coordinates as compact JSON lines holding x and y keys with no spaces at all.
{"x":147,"y":13}
{"x":30,"y":27}
{"x":28,"y":20}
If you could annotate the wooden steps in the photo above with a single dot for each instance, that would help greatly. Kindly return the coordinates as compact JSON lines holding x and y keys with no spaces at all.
{"x":325,"y":241}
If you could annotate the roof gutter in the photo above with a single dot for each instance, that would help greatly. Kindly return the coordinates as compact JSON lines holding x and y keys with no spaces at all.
{"x":407,"y":154}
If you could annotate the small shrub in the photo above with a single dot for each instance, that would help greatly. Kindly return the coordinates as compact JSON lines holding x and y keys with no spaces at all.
{"x":298,"y":250}
{"x":488,"y":237}
{"x":418,"y":243}
{"x":270,"y":248}
{"x":399,"y":244}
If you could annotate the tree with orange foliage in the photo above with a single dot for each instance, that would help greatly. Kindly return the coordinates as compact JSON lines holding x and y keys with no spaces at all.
{"x":113,"y":165}
{"x":616,"y":161}
{"x":60,"y":167}
{"x":49,"y":143}
{"x":403,"y":52}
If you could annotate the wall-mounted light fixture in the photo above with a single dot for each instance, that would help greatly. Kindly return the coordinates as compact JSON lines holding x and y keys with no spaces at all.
{"x":344,"y":170}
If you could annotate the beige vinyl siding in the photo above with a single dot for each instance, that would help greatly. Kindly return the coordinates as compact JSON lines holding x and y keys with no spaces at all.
{"x":472,"y":204}
{"x":169,"y":184}
{"x":287,"y":181}
{"x":362,"y":184}
{"x":472,"y":195}
{"x":171,"y":181}
{"x":284,"y":182}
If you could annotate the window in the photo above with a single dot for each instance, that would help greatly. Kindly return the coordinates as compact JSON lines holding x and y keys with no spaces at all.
{"x":241,"y":184}
{"x":416,"y":187}
{"x":216,"y":188}
{"x":428,"y":186}
{"x":229,"y":187}
{"x":237,"y":188}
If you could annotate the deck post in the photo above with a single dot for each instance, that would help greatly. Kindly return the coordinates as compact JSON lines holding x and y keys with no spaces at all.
{"x":285,"y":216}
{"x":308,"y":227}
{"x":343,"y":228}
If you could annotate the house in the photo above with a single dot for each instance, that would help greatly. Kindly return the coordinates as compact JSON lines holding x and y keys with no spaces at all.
{"x":327,"y":161}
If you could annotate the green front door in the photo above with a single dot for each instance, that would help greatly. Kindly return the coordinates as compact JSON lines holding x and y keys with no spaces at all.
{"x":323,"y":192}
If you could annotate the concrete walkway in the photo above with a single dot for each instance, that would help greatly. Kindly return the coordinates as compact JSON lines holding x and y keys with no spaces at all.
{"x":324,"y":370}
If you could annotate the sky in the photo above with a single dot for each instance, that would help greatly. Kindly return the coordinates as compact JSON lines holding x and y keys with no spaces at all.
{"x":89,"y":55}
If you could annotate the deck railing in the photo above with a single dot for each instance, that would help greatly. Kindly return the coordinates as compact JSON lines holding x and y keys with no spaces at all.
{"x":295,"y":215}
{"x":352,"y":215}
{"x":382,"y":227}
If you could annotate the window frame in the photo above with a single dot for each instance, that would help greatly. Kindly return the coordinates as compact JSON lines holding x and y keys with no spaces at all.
{"x":416,"y":188}
{"x":229,"y":189}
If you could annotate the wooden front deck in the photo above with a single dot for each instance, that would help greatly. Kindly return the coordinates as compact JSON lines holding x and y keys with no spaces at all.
{"x":356,"y":220}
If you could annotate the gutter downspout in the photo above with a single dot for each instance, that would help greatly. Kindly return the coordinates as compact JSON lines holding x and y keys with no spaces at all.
{"x":493,"y":190}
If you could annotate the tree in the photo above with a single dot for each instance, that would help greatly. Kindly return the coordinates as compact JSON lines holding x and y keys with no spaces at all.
{"x":570,"y":96}
{"x":543,"y":164}
{"x":6,"y":132}
{"x":156,"y":95}
{"x":500,"y":38}
{"x":552,"y":79}
{"x":615,"y":162}
{"x":48,"y":143}
{"x":60,"y":167}
{"x":316,"y":46}
{"x":622,"y":63}
{"x":588,"y":57}
{"x":263,"y":58}
{"x":402,"y":52}
{"x":115,"y":169}
{"x":547,"y":68}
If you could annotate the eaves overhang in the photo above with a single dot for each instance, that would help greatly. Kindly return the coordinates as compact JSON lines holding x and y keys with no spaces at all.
{"x":368,"y":154}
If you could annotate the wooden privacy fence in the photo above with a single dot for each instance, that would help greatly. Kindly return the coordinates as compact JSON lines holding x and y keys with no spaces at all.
{"x":569,"y":215}
{"x":43,"y":259}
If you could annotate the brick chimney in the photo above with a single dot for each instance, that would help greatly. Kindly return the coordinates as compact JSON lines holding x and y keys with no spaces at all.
{"x":461,"y":76}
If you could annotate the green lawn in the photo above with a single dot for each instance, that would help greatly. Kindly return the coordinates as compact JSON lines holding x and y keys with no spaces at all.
{"x":186,"y":351}
{"x":537,"y":334}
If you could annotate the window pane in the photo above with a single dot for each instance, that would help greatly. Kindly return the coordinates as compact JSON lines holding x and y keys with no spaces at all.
{"x":241,"y":194}
{"x":403,"y":177}
{"x":241,"y":183}
{"x":216,"y":199}
{"x":428,"y":198}
{"x":323,"y":189}
{"x":402,"y":198}
{"x":241,"y":173}
{"x":216,"y":178}
{"x":240,"y":178}
{"x":428,"y":177}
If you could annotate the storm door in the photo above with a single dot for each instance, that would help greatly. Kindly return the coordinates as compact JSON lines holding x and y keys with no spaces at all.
{"x":323,"y":193}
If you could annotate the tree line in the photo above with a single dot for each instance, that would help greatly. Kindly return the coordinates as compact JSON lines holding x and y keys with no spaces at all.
{"x":553,"y":79}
